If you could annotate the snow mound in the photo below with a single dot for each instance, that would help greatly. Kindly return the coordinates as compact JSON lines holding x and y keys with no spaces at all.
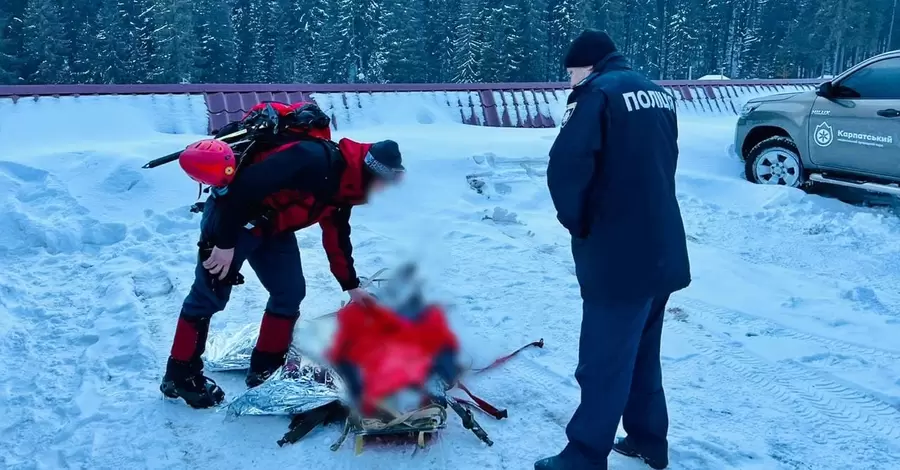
{"x":55,"y":123}
{"x":39,"y":213}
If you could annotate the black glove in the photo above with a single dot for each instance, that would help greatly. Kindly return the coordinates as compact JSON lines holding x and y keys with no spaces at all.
{"x":310,"y":116}
{"x":227,"y":129}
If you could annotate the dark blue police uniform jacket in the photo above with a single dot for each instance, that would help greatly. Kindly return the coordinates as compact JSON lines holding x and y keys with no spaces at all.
{"x":612,"y":180}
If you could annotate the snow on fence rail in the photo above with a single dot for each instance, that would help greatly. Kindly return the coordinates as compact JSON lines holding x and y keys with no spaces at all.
{"x":356,"y":105}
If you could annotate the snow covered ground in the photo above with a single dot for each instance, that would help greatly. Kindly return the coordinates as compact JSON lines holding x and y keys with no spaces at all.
{"x":783,"y":354}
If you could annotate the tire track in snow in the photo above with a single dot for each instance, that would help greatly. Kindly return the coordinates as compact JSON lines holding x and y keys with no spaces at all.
{"x":823,"y":431}
{"x":706,"y":310}
{"x":811,"y":396}
{"x":871,"y":407}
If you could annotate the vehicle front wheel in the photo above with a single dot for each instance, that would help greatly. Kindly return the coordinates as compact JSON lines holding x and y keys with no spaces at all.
{"x":775,"y":160}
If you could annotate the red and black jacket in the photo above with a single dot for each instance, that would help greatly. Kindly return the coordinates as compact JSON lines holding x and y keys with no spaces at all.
{"x":293,"y":185}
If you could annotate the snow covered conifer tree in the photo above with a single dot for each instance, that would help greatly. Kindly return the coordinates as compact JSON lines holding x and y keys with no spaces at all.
{"x":215,"y":54}
{"x":7,"y":64}
{"x":532,"y":41}
{"x":565,"y":21}
{"x":270,"y":32}
{"x":9,"y":60}
{"x":467,"y":45}
{"x":11,"y":24}
{"x":313,"y":34}
{"x":244,"y":39}
{"x":358,"y":33}
{"x":123,"y":42}
{"x":78,"y":18}
{"x":346,"y":63}
{"x":512,"y":41}
{"x":439,"y":31}
{"x":378,"y":51}
{"x":45,"y":45}
{"x":406,"y":57}
{"x":143,"y":41}
{"x":257,"y":46}
{"x":126,"y":29}
{"x":290,"y":42}
{"x":175,"y":42}
{"x":488,"y":27}
{"x":85,"y":53}
{"x":110,"y":63}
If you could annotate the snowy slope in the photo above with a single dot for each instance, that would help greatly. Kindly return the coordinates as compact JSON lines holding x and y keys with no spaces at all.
{"x":781,"y":355}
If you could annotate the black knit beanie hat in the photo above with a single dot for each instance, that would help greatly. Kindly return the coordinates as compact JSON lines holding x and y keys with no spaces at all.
{"x":384,"y":160}
{"x":588,"y":48}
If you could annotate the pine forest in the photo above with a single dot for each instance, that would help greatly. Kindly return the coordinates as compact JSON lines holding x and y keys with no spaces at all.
{"x":410,"y":41}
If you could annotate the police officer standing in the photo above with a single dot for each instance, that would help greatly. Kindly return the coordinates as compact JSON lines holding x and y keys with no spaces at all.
{"x":612,"y":180}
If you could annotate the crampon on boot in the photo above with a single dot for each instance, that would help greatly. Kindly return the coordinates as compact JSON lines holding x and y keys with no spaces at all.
{"x":184,"y":370}
{"x":195,"y":389}
{"x":275,"y":335}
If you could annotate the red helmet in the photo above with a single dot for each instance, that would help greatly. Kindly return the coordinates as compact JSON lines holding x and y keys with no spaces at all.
{"x":209,"y":162}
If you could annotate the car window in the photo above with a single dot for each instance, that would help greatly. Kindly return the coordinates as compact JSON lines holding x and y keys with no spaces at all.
{"x":880,"y":80}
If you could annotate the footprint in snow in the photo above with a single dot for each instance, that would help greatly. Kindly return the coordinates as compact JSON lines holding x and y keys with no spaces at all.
{"x":678,"y":314}
{"x":22,"y":172}
{"x":150,"y":283}
{"x":102,"y":234}
{"x":123,"y":179}
{"x":866,"y":298}
{"x":502,"y":216}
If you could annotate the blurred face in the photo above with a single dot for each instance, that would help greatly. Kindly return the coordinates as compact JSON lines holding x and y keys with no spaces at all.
{"x":577,"y":74}
{"x":378,"y":185}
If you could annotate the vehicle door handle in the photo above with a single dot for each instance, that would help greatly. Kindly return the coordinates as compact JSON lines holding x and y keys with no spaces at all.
{"x":889,"y":113}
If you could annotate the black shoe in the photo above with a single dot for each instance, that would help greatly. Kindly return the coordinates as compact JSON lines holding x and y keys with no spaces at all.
{"x":183,"y":380}
{"x":255,"y":379}
{"x":262,"y":366}
{"x":627,"y":447}
{"x":550,"y":463}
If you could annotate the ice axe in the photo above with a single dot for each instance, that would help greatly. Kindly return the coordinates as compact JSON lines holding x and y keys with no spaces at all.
{"x":229,"y":139}
{"x":255,"y":123}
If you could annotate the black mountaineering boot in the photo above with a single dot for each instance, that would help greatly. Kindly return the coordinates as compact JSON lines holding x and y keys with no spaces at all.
{"x":184,"y":370}
{"x":275,"y":335}
{"x":262,"y":366}
{"x":183,"y":381}
{"x":627,"y":447}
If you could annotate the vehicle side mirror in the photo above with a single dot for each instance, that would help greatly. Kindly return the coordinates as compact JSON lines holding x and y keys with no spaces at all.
{"x":826,"y":90}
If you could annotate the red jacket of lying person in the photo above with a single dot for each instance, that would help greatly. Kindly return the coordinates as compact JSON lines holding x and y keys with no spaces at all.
{"x":380,"y":350}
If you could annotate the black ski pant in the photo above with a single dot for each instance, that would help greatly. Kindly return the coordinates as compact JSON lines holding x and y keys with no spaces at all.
{"x":620,"y":376}
{"x":275,"y":260}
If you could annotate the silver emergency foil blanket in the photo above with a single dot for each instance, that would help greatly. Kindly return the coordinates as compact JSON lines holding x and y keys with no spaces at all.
{"x":232,"y":353}
{"x":301,"y":385}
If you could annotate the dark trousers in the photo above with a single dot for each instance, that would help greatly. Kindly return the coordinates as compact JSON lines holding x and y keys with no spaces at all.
{"x":276,"y":262}
{"x":620,"y":376}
